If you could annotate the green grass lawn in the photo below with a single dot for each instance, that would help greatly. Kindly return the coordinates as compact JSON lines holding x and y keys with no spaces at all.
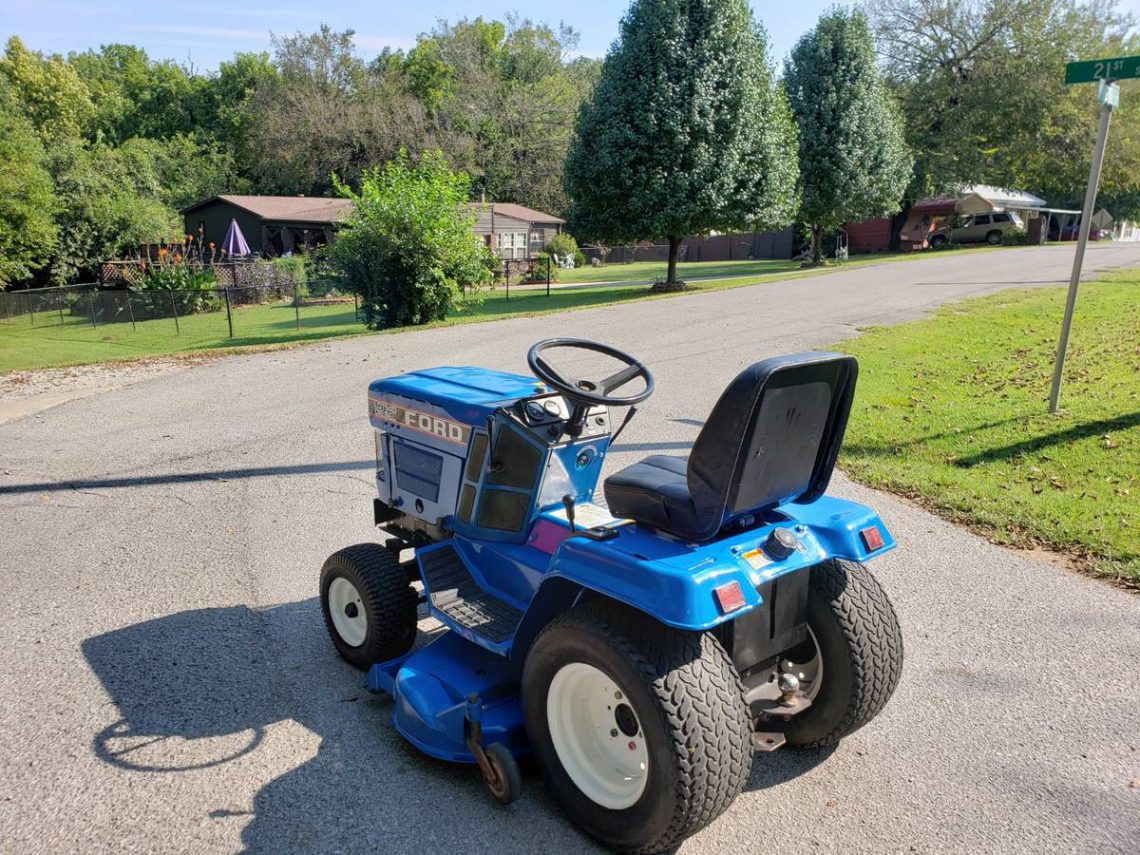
{"x":76,"y":342}
{"x":47,"y":344}
{"x":953,"y":411}
{"x":651,"y":271}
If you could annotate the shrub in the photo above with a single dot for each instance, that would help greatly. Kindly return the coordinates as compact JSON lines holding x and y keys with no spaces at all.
{"x":563,"y":245}
{"x":537,"y":272}
{"x":193,"y":286}
{"x":408,"y":247}
{"x":293,"y":270}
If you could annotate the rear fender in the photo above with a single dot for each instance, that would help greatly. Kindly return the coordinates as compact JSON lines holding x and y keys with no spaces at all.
{"x":676,"y":583}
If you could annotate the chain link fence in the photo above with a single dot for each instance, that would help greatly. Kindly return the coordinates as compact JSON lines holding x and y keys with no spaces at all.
{"x":262,"y":311}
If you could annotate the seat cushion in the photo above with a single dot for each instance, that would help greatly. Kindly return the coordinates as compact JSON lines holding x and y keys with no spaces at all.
{"x":655,"y":491}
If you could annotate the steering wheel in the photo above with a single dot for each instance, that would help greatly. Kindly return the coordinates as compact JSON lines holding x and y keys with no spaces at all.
{"x":585,"y":392}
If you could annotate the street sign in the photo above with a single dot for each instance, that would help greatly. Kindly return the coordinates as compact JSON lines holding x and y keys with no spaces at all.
{"x":1104,"y":70}
{"x":1109,"y":94}
{"x":1092,"y":70}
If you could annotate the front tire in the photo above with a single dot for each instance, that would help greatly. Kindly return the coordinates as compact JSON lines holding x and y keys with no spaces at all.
{"x":857,"y":638}
{"x":640,"y":731}
{"x":368,"y":604}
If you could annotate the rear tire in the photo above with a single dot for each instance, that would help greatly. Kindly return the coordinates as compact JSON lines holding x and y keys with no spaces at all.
{"x":650,"y":720}
{"x":993,"y":238}
{"x":368,"y":604}
{"x":858,"y":637}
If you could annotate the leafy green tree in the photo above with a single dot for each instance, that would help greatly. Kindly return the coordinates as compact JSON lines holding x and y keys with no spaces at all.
{"x":27,"y":197}
{"x":502,"y":98}
{"x":981,"y":85}
{"x":408,"y":248}
{"x":325,"y":112}
{"x":854,"y":162}
{"x":135,"y":96}
{"x":49,"y":92}
{"x":686,"y":131}
{"x":108,"y":205}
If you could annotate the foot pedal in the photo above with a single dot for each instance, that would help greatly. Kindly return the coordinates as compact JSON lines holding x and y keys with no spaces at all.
{"x":768,"y":741}
{"x":455,"y":594}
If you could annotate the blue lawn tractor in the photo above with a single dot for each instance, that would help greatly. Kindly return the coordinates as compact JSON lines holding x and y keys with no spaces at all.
{"x":641,"y":650}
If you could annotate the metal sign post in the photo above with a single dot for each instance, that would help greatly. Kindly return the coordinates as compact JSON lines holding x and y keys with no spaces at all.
{"x":1088,"y":72}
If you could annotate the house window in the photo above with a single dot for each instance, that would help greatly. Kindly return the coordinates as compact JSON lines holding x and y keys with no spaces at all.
{"x":512,"y":244}
{"x":537,"y":241}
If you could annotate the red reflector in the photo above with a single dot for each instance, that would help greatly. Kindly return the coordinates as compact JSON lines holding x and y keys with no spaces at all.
{"x":729,"y":597}
{"x":872,"y":538}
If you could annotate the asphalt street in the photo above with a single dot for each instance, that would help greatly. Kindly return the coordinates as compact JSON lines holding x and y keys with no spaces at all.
{"x":167,"y":685}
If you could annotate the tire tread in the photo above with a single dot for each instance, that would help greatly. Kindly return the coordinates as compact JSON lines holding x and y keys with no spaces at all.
{"x":860,"y":606}
{"x":702,"y":699}
{"x":389,"y":598}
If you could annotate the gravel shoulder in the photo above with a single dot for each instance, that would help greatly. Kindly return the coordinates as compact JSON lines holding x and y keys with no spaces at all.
{"x":25,"y":392}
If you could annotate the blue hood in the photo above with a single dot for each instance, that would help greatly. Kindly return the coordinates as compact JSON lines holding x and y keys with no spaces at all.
{"x":467,"y":394}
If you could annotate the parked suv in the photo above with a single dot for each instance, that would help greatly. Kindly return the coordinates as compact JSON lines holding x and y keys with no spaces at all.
{"x":990,"y":228}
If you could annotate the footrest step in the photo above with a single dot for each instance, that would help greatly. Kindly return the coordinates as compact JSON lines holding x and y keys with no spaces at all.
{"x":455,"y":593}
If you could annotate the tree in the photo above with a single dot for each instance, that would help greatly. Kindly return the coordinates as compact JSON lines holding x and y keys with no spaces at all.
{"x":49,"y":92}
{"x":502,"y":98}
{"x":981,"y":84}
{"x":854,"y":163}
{"x":324,"y":113}
{"x":686,"y":131}
{"x":108,"y":204}
{"x":408,"y":247}
{"x":27,"y":197}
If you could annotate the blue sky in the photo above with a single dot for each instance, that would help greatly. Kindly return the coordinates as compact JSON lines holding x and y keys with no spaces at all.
{"x":208,"y":31}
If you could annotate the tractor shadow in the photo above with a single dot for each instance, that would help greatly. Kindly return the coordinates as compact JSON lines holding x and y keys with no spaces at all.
{"x":196,"y":691}
{"x":784,"y":766}
{"x":215,"y":691}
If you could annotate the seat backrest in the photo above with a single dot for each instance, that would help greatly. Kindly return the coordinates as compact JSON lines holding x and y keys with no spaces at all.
{"x":772,"y":437}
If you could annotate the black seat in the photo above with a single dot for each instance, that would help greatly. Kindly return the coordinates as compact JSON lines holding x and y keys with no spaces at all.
{"x":772,"y":438}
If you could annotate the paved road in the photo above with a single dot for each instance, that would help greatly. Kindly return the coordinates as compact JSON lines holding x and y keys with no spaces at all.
{"x":166,"y":684}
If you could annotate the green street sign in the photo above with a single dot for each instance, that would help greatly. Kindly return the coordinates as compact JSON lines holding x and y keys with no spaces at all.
{"x":1092,"y":70}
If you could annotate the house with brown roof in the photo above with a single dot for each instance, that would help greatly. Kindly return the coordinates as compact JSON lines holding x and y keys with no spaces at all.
{"x":514,"y":231}
{"x":274,"y":225}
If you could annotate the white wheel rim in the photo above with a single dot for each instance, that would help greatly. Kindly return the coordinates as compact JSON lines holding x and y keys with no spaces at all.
{"x":347,"y":612}
{"x":597,"y":735}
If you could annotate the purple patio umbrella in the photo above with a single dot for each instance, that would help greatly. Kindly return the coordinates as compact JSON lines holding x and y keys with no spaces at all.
{"x":234,"y":242}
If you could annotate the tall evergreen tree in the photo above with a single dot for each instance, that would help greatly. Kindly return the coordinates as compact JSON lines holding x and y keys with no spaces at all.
{"x":854,"y":162}
{"x":686,"y":131}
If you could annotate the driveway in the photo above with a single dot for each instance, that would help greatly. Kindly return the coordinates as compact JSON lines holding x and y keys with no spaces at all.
{"x":166,"y":684}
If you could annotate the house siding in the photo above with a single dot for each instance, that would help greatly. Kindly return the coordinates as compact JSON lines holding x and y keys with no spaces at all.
{"x":869,"y":235}
{"x":279,"y":233}
{"x":731,"y":247}
{"x":215,"y":216}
